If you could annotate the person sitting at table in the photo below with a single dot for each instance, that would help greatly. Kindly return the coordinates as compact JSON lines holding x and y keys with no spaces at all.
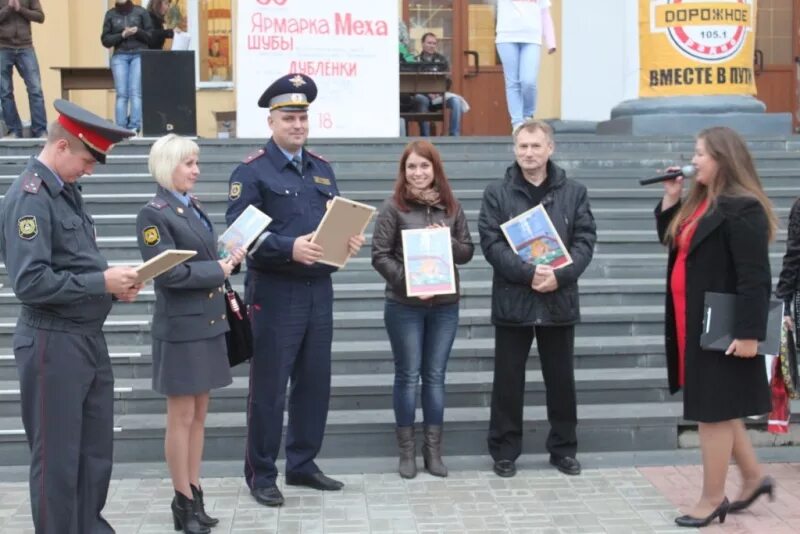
{"x":432,"y":61}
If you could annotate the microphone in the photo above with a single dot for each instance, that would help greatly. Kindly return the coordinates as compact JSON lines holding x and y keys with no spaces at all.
{"x":687,"y":171}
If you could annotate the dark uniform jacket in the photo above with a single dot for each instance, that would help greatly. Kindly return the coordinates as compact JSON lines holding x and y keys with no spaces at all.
{"x":119,"y":18}
{"x":15,"y":26}
{"x":190,"y":302}
{"x":514,"y":303}
{"x":49,"y":245}
{"x":387,"y":246}
{"x":728,"y":254}
{"x":269,"y":181}
{"x":789,"y":280}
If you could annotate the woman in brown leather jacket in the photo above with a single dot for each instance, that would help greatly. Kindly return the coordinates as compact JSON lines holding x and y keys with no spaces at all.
{"x":421,"y":329}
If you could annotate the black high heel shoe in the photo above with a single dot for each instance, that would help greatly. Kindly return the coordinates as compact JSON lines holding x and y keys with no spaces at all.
{"x":202,"y":517}
{"x":184,"y":515}
{"x":767,"y":486}
{"x":721,"y":511}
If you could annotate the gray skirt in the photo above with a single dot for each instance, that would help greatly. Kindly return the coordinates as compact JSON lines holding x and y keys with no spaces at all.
{"x":190,"y":367}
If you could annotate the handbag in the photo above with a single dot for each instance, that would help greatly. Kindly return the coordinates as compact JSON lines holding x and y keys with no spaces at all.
{"x":239,"y":337}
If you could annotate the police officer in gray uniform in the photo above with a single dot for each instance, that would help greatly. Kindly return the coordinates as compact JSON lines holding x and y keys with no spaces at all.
{"x":66,"y":288}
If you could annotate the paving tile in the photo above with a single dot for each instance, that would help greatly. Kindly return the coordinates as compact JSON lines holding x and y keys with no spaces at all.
{"x":608,"y":501}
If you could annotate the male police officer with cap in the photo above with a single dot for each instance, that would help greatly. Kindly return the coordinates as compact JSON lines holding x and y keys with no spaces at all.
{"x":290,"y":295}
{"x":66,"y":287}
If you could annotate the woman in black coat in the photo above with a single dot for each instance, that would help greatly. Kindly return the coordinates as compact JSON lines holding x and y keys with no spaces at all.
{"x":718,"y":237}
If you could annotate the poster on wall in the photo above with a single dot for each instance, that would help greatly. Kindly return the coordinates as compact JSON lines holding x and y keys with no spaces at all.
{"x":348,"y":47}
{"x":696,"y":47}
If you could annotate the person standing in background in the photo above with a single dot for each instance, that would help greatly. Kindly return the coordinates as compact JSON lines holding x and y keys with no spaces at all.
{"x":157,"y":9}
{"x":522,"y":25}
{"x":126,"y":29}
{"x":16,"y":50}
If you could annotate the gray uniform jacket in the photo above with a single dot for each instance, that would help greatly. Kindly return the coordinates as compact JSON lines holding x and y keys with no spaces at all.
{"x":190,"y":301}
{"x":49,"y":245}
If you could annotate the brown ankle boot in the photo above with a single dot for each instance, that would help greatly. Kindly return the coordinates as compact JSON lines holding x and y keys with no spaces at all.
{"x":407,"y":466}
{"x":432,"y":451}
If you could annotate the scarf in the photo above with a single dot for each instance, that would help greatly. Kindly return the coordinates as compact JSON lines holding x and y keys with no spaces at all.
{"x":427,"y":197}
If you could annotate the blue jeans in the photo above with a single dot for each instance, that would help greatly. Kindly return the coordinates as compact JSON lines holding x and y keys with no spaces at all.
{"x":28,"y":67}
{"x":423,"y":105}
{"x":421,"y":338}
{"x":127,"y":71}
{"x":520,"y":70}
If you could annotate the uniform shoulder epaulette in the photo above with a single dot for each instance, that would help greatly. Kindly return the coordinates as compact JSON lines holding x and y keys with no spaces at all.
{"x":317,"y":156}
{"x":31,"y":182}
{"x":158,"y":203}
{"x":254,"y":155}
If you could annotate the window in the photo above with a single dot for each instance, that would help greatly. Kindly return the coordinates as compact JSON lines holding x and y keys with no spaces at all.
{"x":210,"y":25}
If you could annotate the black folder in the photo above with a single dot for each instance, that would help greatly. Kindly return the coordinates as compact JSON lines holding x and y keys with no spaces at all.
{"x":718,"y":318}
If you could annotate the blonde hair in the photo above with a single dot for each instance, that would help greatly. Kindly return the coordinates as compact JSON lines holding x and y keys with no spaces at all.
{"x":531,"y":126}
{"x":165,"y":156}
{"x":736,"y":176}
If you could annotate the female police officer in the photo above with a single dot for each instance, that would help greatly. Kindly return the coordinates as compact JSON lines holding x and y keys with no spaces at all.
{"x":189,"y":324}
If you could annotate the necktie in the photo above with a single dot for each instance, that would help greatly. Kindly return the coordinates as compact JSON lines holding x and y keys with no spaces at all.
{"x":297,"y":161}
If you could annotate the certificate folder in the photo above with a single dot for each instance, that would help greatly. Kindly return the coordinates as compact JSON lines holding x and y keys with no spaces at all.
{"x":162,"y":263}
{"x":344,"y":219}
{"x":718,"y":319}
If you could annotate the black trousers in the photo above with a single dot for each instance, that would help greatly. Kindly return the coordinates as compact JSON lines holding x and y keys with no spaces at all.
{"x":512,"y":345}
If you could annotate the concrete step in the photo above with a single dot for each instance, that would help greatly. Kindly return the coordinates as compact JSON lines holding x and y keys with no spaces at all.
{"x":446,"y":145}
{"x":368,"y":357}
{"x":370,"y":433}
{"x":627,"y":218}
{"x":359,"y":270}
{"x":606,"y":198}
{"x":125,"y":248}
{"x":363,"y":179}
{"x":368,"y":297}
{"x":374,"y":391}
{"x":125,"y":328}
{"x":492,"y":163}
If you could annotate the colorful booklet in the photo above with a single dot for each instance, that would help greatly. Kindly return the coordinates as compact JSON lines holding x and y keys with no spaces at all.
{"x":244,"y":230}
{"x":428,"y":262}
{"x":534,"y":238}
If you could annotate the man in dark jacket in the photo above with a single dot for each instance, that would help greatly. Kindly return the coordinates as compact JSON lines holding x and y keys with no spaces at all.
{"x":535,"y":300}
{"x":16,"y":50}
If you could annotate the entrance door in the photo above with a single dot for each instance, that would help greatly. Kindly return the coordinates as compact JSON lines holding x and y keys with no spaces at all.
{"x":776,"y":49}
{"x":481,"y":81}
{"x":465,"y":29}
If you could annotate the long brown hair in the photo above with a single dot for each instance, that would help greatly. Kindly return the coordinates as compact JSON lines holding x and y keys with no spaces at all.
{"x":424,"y":149}
{"x":736,"y":176}
{"x":154,"y":8}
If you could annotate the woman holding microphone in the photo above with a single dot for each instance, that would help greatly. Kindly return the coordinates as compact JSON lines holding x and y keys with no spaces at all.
{"x":718,"y":235}
{"x":189,"y":323}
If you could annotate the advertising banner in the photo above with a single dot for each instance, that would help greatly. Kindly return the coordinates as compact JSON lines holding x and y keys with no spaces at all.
{"x":696,"y":47}
{"x":348,"y":47}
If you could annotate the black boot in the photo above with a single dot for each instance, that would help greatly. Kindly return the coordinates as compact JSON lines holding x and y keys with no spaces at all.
{"x":202,"y":516}
{"x":184,"y":516}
